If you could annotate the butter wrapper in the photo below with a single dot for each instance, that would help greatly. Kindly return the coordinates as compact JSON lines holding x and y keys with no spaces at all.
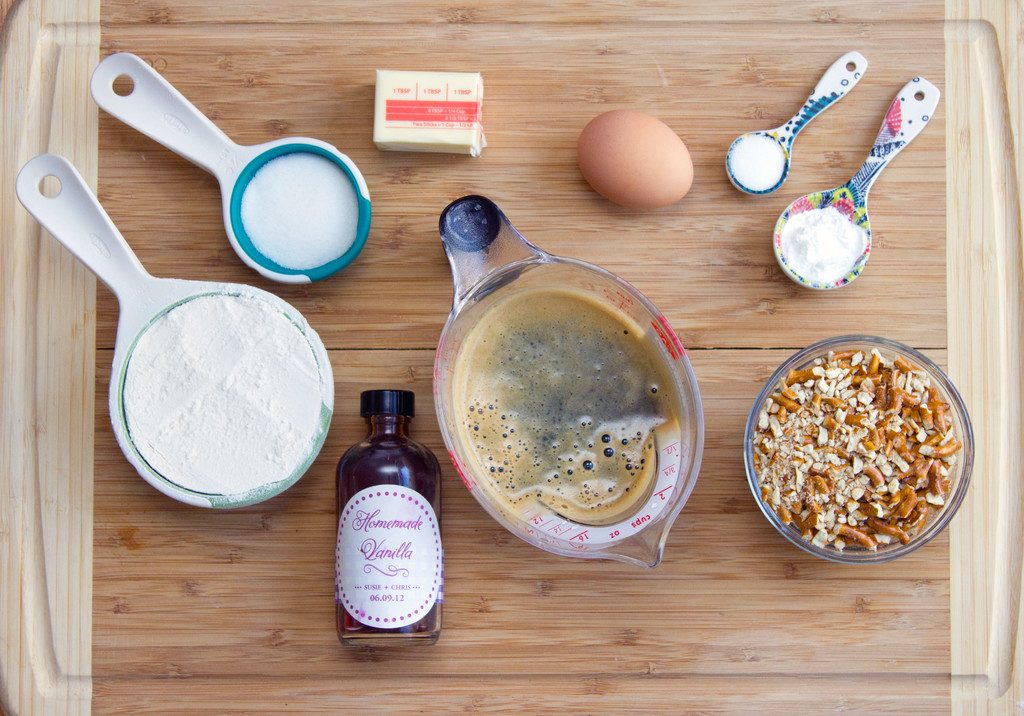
{"x":429,"y":112}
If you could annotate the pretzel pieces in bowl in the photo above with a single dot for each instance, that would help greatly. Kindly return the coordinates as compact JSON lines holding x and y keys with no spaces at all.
{"x":856,"y":450}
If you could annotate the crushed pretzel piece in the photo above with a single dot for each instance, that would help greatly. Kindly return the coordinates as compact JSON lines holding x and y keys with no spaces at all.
{"x":857,"y":535}
{"x":953,"y":446}
{"x":887,"y":529}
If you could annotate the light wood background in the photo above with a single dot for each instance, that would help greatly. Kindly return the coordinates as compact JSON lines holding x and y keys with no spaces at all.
{"x":183,"y":593}
{"x":197,"y":610}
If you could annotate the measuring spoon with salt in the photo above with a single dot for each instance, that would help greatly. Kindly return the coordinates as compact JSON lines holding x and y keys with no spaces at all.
{"x":907,"y":116}
{"x":317,"y":228}
{"x":75,"y":218}
{"x":758,"y":162}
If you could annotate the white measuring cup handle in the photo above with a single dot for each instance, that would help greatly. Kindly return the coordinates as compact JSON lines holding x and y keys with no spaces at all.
{"x":75,"y":218}
{"x":841,"y":77}
{"x":158,"y":110}
{"x":911,"y":110}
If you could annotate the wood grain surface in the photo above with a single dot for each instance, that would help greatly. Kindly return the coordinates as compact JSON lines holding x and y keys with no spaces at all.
{"x":247,"y":595}
{"x":47,"y":355}
{"x":195,"y":611}
{"x":182,"y":593}
{"x":985,"y":279}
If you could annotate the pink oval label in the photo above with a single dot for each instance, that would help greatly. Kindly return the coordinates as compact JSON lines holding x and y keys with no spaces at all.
{"x":388,"y":563}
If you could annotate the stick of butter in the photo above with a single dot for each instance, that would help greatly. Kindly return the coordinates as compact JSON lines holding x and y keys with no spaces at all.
{"x":429,"y":112}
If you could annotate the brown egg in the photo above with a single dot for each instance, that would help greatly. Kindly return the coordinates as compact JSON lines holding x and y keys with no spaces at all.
{"x":634,"y":160}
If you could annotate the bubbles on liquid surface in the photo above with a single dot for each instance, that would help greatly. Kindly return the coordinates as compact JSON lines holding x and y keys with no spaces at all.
{"x":550,"y":381}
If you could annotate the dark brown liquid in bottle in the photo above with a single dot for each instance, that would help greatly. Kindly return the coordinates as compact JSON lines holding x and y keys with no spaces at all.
{"x":388,"y":456}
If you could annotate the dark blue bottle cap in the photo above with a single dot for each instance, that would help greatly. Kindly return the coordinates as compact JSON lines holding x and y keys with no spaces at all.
{"x":387,"y":402}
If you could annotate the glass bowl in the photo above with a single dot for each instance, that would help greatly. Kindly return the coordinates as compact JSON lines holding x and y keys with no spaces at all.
{"x":960,"y":475}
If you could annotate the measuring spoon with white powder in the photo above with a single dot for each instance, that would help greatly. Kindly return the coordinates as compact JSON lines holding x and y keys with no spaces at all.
{"x":220,"y":394}
{"x":823,"y":240}
{"x":295,"y":209}
{"x":758,"y":162}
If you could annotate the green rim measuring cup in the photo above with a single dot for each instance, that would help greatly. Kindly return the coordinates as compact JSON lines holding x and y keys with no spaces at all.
{"x":75,"y":218}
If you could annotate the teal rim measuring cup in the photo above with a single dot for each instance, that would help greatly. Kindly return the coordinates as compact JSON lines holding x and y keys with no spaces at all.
{"x":75,"y":218}
{"x":155,"y":108}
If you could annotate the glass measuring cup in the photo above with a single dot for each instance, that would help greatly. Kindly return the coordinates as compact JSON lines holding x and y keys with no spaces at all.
{"x":155,"y":108}
{"x":490,"y":260}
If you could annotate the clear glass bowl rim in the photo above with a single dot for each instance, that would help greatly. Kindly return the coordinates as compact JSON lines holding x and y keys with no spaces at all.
{"x":962,"y":475}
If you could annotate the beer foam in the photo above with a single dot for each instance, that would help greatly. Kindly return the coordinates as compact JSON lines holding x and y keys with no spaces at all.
{"x":561,"y":399}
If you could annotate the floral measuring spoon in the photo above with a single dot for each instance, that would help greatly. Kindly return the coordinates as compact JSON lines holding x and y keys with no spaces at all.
{"x":758,"y":162}
{"x":907,"y":116}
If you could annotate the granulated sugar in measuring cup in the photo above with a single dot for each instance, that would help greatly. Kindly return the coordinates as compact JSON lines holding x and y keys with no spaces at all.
{"x":295,"y":209}
{"x":220,"y":394}
{"x":566,"y":400}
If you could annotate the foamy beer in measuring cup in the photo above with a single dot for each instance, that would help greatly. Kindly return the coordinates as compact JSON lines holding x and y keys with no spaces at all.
{"x":563,"y":399}
{"x":566,"y":400}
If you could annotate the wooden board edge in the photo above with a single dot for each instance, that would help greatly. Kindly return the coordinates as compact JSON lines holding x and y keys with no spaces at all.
{"x":47,"y":686}
{"x":985,"y":278}
{"x":47,"y":370}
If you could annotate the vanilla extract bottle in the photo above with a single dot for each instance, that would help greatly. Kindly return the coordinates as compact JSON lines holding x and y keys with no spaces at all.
{"x":389,"y":569}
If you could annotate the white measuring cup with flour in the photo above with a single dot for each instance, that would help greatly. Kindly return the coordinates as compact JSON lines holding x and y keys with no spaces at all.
{"x":606,"y":476}
{"x":758,"y":162}
{"x":823,"y":239}
{"x":213,"y":413}
{"x":295,"y":209}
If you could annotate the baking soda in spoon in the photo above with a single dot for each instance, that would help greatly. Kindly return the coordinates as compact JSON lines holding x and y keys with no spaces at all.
{"x":822,"y":244}
{"x":823,"y":240}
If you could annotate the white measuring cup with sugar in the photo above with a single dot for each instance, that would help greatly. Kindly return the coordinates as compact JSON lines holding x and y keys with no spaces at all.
{"x":75,"y":218}
{"x":155,"y":108}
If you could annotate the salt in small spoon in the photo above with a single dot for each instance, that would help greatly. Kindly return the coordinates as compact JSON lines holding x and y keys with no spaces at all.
{"x":777,"y":144}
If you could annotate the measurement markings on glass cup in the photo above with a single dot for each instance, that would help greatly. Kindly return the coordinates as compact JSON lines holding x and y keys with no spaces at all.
{"x":581,"y":536}
{"x":550,"y":528}
{"x":555,"y":526}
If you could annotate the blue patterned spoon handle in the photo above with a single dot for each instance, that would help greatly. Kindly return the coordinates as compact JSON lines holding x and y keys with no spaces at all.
{"x":841,"y":77}
{"x":909,"y":113}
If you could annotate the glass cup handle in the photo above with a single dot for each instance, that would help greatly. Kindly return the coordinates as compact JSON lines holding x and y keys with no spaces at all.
{"x":479,"y":239}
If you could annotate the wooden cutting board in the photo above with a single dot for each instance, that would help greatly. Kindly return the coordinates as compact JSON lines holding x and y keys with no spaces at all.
{"x":131,"y":602}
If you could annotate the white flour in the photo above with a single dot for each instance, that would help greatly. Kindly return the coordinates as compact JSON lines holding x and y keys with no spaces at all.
{"x":822,"y":245}
{"x":222,"y":395}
